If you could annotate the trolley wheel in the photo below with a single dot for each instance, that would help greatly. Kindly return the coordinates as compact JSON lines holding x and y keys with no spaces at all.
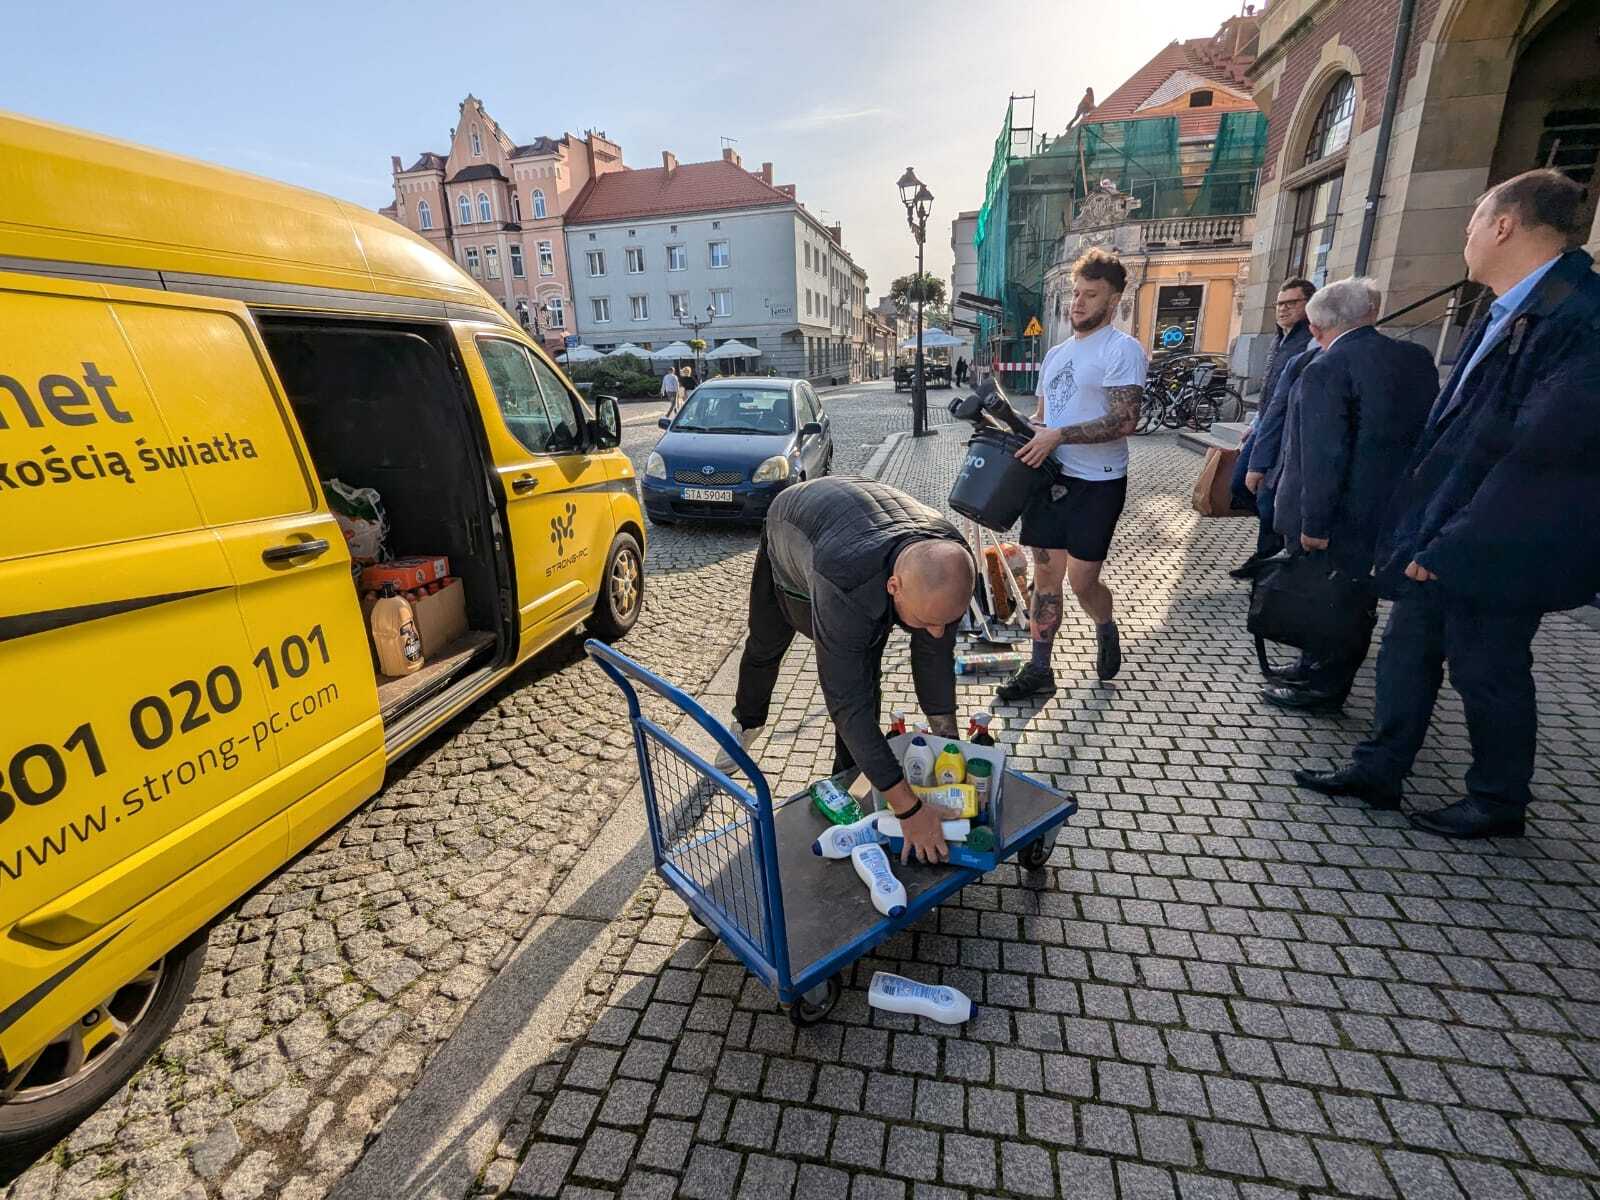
{"x":808,"y":1011}
{"x":1035,"y":854}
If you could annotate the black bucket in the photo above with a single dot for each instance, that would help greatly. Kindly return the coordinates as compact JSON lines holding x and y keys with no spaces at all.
{"x":994,"y":485}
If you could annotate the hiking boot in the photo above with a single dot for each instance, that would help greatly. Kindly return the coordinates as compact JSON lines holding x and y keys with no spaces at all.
{"x":1029,"y":680}
{"x":1108,"y":658}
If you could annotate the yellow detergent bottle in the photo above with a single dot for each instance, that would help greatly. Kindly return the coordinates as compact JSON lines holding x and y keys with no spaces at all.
{"x":950,"y":766}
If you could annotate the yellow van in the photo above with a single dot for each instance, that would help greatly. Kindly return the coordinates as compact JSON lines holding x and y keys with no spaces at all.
{"x":188,"y":358}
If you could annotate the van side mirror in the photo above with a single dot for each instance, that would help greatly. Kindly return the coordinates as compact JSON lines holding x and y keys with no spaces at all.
{"x":665,"y":422}
{"x":811,"y":429}
{"x":605,"y":431}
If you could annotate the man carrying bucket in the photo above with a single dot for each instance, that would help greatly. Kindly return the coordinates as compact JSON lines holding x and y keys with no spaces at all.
{"x":1090,"y":389}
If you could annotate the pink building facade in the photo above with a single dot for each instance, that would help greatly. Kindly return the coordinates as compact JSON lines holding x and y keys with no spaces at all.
{"x":497,"y":208}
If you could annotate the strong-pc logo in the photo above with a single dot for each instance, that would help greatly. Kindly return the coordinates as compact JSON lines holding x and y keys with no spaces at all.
{"x":561,"y":527}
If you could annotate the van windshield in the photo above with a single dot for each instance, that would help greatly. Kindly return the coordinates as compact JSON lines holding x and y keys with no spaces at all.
{"x":737,"y":410}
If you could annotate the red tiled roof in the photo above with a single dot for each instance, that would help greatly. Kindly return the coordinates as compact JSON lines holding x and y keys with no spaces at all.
{"x":1212,"y":58}
{"x":651,"y":191}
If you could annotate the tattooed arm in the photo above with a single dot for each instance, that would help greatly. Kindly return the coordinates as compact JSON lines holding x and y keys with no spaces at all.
{"x":1118,"y":423}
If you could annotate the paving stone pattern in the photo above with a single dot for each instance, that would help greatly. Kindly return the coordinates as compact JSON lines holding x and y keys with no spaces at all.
{"x":325,"y":991}
{"x":1219,"y":987}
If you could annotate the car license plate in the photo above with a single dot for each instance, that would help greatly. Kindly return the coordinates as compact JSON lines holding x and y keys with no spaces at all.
{"x":722,"y":495}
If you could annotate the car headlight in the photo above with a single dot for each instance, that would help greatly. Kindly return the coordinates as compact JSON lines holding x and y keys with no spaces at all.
{"x":774,"y":470}
{"x":655,"y":467}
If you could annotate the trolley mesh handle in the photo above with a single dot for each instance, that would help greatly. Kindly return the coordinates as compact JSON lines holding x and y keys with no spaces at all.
{"x":710,"y":835}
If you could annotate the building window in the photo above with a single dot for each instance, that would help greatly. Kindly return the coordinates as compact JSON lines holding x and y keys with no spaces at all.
{"x":1330,"y":132}
{"x":639,"y":307}
{"x":472,"y":259}
{"x":597,"y":263}
{"x":477,"y":145}
{"x":1316,"y":216}
{"x":719,"y":254}
{"x":517,"y":271}
{"x":424,"y":215}
{"x":602,"y":309}
{"x":555,"y":310}
{"x":722,"y":302}
{"x":485,"y":210}
{"x":547,"y":258}
{"x":635,"y":257}
{"x":680,"y":304}
{"x":538,"y":205}
{"x":1201,"y":99}
{"x":464,"y":208}
{"x":677,"y":258}
{"x":491,"y":262}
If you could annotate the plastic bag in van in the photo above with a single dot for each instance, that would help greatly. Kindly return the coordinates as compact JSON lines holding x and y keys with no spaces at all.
{"x":361,"y":518}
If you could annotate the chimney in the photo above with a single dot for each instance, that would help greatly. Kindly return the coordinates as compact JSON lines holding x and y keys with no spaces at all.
{"x":394,"y":163}
{"x":766,"y":174}
{"x":669,"y":161}
{"x":729,"y":154}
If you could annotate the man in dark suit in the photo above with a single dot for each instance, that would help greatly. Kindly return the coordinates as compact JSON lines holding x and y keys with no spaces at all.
{"x":1255,"y":474}
{"x":1498,"y":518}
{"x":1352,"y":420}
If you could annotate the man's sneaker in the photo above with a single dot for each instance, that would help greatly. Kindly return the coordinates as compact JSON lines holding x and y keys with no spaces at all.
{"x":1029,"y":680}
{"x":1108,"y":659}
{"x":724,"y":761}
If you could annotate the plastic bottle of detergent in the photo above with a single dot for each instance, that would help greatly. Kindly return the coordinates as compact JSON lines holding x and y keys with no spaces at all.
{"x":896,"y":993}
{"x":394,"y":634}
{"x":919,"y":763}
{"x":950,"y":766}
{"x":838,"y":840}
{"x":888,"y":893}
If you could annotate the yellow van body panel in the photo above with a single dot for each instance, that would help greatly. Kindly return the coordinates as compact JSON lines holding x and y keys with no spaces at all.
{"x":71,"y":196}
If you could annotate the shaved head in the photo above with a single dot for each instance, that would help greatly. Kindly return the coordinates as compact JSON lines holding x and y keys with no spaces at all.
{"x":932,"y":583}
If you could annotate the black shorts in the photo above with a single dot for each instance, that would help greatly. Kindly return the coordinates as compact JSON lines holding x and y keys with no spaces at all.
{"x":1081,"y":522}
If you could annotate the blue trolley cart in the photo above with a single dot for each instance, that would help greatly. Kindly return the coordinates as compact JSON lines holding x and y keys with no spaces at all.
{"x":745,"y":866}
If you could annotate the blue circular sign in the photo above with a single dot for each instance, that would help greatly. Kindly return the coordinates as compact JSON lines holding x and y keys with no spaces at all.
{"x":1172,"y":337}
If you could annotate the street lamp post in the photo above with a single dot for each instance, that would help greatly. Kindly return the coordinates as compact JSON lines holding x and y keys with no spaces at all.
{"x":697,"y":325}
{"x":914,"y":194}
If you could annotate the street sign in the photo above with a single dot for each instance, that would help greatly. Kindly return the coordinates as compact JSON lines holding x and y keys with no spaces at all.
{"x":570,"y":340}
{"x":1034,"y":329}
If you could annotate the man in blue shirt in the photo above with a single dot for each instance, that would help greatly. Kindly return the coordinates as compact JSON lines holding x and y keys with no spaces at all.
{"x":1497,"y":520}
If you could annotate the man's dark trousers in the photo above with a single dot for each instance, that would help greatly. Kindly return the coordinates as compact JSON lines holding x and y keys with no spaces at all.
{"x":1490,"y":652}
{"x":775,"y":617}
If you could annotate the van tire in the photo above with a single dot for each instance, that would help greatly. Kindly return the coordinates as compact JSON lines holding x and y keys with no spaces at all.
{"x":30,"y":1128}
{"x":621,"y":599}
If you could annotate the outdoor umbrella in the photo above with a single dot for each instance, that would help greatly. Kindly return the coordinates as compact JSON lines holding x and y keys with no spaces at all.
{"x":734,"y":350}
{"x":675,"y":351}
{"x":581,"y":354}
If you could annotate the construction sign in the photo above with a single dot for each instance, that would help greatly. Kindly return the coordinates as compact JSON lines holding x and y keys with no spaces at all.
{"x":1034,"y":329}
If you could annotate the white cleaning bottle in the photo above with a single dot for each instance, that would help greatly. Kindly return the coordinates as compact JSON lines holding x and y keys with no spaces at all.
{"x":888,"y":893}
{"x":896,"y":993}
{"x":954,"y":831}
{"x":838,"y":840}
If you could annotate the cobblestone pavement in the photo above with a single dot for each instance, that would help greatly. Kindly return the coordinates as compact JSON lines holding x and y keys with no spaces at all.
{"x":325,"y":991}
{"x":1219,"y":986}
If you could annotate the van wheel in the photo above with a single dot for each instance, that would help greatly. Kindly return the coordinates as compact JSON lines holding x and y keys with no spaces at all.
{"x":44,"y":1098}
{"x":621,"y":590}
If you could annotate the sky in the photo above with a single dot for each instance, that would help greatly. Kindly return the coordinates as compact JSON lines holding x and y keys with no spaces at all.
{"x":840,"y":95}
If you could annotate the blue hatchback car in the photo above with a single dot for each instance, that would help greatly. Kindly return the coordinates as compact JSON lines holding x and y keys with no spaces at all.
{"x":734,"y":445}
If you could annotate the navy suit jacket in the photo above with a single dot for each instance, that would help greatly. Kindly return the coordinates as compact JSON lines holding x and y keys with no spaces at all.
{"x":1266,"y":440}
{"x":1502,"y":498}
{"x":1355,"y":415}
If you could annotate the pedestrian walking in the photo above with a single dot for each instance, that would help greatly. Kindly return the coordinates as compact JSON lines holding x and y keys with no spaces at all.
{"x":842,"y":562}
{"x":1497,"y":521}
{"x":669,"y":390}
{"x":1355,"y":410}
{"x":1255,"y":474}
{"x":1091,"y":386}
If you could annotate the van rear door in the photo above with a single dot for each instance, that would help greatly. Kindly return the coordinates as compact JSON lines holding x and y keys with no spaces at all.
{"x":142,"y":448}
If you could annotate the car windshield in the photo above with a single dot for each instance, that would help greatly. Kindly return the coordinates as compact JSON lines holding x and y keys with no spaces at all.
{"x":737,"y":410}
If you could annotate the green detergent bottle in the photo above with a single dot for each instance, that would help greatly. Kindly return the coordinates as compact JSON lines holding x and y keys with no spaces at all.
{"x":834,"y":803}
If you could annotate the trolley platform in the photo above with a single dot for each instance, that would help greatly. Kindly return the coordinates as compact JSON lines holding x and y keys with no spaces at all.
{"x":744,"y":865}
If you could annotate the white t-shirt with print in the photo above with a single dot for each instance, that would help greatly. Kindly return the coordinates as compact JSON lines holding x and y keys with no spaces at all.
{"x":1075,"y":375}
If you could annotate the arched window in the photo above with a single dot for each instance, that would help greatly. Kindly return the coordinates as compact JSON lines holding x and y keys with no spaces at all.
{"x":1330,"y":132}
{"x":464,"y":208}
{"x":424,"y":215}
{"x":485,"y":213}
{"x":538,"y":205}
